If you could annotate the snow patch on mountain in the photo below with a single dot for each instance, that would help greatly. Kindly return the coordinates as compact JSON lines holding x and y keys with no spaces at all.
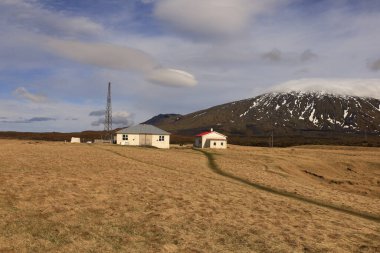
{"x":342,"y":87}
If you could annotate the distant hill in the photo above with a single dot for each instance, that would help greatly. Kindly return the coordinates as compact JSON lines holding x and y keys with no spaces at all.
{"x":162,"y":118}
{"x":52,"y":136}
{"x":310,"y":115}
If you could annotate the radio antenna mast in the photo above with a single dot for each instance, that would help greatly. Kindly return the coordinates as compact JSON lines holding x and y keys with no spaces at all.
{"x":108,"y":116}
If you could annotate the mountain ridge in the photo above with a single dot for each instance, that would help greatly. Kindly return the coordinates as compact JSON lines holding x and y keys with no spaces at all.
{"x":286,"y":113}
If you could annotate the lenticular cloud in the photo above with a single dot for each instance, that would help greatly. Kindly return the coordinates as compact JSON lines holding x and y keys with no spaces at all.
{"x":121,"y":58}
{"x":171,"y":77}
{"x":349,"y":87}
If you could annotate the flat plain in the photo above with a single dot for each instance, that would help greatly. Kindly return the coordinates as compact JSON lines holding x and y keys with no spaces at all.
{"x":62,"y":197}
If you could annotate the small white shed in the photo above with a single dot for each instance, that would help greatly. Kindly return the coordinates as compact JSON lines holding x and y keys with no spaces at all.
{"x":143,"y":135}
{"x":210,"y":139}
{"x":75,"y":140}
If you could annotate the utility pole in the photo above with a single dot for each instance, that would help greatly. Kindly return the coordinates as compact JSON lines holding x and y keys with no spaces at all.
{"x":272,"y":139}
{"x":108,"y":117}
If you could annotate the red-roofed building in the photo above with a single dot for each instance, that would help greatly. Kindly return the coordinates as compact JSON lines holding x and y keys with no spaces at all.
{"x":210,"y":139}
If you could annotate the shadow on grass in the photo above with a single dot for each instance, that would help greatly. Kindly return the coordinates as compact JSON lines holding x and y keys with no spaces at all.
{"x":214,"y":167}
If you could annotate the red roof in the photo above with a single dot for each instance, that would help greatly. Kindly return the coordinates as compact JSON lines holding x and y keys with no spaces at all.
{"x":209,"y":132}
{"x":204,"y":133}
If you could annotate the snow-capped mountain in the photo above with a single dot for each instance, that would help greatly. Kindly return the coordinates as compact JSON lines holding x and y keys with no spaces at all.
{"x":286,"y":113}
{"x":315,"y":111}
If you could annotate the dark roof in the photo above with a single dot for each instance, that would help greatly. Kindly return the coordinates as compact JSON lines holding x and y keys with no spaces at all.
{"x":142,"y":129}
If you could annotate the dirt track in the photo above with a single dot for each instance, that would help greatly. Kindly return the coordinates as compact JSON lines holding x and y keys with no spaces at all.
{"x":214,"y":166}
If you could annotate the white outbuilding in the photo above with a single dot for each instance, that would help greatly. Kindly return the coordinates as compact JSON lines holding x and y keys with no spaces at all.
{"x":75,"y":140}
{"x":210,"y":139}
{"x":143,"y":135}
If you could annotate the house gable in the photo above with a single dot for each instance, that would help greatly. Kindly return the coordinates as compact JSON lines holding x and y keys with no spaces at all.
{"x":211,"y":134}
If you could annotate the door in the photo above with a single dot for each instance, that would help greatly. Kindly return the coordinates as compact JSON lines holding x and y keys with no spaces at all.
{"x":146,"y":140}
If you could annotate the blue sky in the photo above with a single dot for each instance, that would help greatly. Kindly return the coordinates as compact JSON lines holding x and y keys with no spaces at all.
{"x":175,"y":56}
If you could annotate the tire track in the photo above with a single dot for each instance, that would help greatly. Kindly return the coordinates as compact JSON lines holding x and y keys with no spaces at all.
{"x":164,"y":167}
{"x":215,"y":168}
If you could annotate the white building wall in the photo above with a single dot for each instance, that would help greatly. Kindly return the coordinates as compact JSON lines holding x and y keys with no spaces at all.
{"x":161,"y":144}
{"x":218,"y":144}
{"x":133,"y":140}
{"x":212,"y":135}
{"x":75,"y":140}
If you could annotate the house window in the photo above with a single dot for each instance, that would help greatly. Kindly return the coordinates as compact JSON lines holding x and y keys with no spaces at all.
{"x":221,"y":143}
{"x":125,"y":137}
{"x":161,"y":138}
{"x":214,"y":143}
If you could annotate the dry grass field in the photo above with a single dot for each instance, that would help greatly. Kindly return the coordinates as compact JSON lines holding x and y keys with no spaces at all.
{"x":57,"y":197}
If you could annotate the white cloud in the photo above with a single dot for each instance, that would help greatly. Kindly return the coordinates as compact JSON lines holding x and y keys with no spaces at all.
{"x":122,"y":119}
{"x":33,"y":16}
{"x":351,"y":87}
{"x":121,"y":58}
{"x":212,"y":17}
{"x":171,"y":77}
{"x":119,"y":119}
{"x":24,"y":93}
{"x":103,"y":55}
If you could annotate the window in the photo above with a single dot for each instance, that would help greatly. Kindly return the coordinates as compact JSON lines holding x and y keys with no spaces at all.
{"x":161,"y":138}
{"x":221,"y":143}
{"x":214,"y":143}
{"x":125,"y":137}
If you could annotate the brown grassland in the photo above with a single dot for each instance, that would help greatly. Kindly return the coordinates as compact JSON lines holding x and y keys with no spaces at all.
{"x":57,"y":197}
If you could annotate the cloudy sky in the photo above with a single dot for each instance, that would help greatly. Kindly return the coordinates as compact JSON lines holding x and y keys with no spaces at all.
{"x":175,"y":56}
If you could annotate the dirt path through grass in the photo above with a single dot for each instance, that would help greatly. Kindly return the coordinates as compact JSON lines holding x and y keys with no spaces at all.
{"x":161,"y":166}
{"x":215,"y":168}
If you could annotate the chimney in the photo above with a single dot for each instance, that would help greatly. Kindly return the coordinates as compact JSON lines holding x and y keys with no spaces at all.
{"x":212,"y":129}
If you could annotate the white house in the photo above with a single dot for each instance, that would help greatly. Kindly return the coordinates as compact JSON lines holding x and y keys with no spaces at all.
{"x":143,"y":135}
{"x":210,"y":139}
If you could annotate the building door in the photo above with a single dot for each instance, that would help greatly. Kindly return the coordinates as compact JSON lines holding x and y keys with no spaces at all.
{"x":146,"y":139}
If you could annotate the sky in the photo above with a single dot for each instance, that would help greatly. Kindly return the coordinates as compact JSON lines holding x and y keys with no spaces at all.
{"x":175,"y":56}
